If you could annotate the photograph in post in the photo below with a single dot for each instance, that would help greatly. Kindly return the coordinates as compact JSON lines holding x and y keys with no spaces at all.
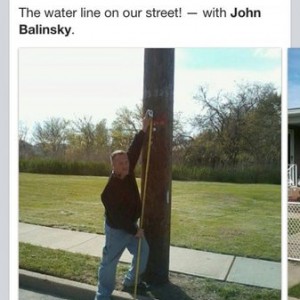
{"x":153,"y":172}
{"x":293,"y":172}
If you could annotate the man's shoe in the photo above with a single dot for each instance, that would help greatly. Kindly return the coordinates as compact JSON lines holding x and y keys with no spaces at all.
{"x":143,"y":286}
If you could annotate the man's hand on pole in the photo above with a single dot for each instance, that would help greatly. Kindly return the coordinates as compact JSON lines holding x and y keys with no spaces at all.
{"x":147,"y":119}
{"x":140,"y":233}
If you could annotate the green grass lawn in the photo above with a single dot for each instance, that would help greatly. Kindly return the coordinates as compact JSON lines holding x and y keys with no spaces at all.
{"x":238,"y":219}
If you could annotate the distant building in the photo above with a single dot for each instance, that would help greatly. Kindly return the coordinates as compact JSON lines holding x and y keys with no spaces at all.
{"x":293,"y":146}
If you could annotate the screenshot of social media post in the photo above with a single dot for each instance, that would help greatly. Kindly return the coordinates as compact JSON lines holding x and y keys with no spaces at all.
{"x":151,"y":150}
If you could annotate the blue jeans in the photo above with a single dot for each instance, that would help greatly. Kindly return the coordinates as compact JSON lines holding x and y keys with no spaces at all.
{"x":115,"y":243}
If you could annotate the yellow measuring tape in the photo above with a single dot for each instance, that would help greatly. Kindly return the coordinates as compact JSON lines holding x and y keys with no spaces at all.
{"x":143,"y":208}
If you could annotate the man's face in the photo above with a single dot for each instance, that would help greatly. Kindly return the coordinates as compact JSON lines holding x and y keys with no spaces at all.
{"x":121,"y":165}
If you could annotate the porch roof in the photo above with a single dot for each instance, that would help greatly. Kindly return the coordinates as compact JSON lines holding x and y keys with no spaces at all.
{"x":294,"y":116}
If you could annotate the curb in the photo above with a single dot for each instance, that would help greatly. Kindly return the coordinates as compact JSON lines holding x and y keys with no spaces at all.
{"x":64,"y":288}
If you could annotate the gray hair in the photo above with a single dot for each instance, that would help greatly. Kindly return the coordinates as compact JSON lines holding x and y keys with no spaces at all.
{"x":115,"y":153}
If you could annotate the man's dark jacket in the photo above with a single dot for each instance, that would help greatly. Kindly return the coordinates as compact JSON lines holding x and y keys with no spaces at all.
{"x":121,"y":197}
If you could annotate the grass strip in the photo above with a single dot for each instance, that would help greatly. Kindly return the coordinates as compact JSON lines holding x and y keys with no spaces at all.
{"x":295,"y":291}
{"x":83,"y":268}
{"x":62,"y":264}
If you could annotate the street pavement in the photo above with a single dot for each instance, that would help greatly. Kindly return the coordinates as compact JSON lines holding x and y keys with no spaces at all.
{"x":228,"y":268}
{"x":33,"y":295}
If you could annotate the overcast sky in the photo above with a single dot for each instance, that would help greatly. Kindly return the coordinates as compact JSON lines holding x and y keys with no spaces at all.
{"x":294,"y":78}
{"x":77,"y":82}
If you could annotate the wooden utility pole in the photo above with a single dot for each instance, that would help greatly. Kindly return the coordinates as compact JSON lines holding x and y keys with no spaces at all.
{"x":158,"y":96}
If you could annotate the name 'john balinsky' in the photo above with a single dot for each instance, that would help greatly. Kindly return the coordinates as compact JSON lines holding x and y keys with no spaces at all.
{"x":39,"y":29}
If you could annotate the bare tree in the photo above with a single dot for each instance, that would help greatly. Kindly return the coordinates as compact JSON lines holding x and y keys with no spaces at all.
{"x":23,"y":131}
{"x":237,"y":123}
{"x":84,"y":135}
{"x":51,"y":136}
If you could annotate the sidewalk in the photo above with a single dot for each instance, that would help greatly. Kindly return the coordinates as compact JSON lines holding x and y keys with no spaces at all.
{"x":228,"y":268}
{"x":293,"y":275}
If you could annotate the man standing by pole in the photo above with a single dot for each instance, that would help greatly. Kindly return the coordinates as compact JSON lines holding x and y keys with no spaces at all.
{"x":122,"y":203}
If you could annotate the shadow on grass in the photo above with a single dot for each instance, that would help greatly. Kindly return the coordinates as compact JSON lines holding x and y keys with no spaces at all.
{"x":169,"y":291}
